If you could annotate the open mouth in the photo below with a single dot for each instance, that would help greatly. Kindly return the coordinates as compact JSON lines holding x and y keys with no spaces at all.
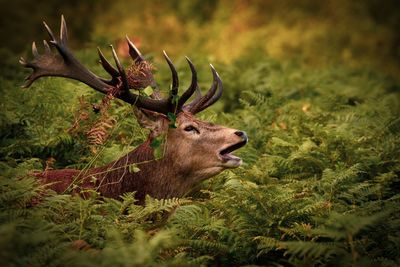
{"x":227,"y":157}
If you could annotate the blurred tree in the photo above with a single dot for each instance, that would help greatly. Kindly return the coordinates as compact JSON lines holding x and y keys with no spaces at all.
{"x":198,"y":10}
{"x":20,"y":20}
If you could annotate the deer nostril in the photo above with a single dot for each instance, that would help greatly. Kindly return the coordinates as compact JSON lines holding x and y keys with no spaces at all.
{"x":241,"y":134}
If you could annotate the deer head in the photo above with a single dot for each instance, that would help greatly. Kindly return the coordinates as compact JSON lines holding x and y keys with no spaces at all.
{"x":194,"y":149}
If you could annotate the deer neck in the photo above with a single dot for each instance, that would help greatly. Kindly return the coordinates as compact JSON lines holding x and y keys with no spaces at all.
{"x":161,"y":178}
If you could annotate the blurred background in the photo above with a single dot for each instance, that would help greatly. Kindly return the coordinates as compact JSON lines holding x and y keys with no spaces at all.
{"x":316,"y":33}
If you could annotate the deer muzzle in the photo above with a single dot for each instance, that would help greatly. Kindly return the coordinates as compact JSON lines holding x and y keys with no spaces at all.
{"x":228,"y":159}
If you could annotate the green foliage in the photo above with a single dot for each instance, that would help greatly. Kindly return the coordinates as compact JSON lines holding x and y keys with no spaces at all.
{"x":158,"y":145}
{"x":172,"y":120}
{"x":319,"y":186}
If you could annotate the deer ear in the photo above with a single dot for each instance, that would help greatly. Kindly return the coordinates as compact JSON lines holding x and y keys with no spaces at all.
{"x":151,"y":120}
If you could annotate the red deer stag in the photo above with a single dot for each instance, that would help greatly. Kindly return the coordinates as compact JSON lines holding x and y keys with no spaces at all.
{"x":194,"y":151}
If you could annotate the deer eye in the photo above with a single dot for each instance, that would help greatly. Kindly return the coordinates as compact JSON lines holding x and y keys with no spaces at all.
{"x":191,"y":128}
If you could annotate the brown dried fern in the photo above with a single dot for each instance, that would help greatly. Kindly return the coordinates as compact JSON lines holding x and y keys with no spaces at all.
{"x":82,"y":114}
{"x":99,"y":132}
{"x":140,"y":75}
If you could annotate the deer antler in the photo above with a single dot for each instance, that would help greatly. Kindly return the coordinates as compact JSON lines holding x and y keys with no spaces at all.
{"x":64,"y":64}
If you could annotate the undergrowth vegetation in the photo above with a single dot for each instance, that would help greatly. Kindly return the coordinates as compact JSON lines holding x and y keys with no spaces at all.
{"x":319,"y":185}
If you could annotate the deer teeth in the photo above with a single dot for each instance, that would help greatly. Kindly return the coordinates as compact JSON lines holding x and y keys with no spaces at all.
{"x":230,"y":161}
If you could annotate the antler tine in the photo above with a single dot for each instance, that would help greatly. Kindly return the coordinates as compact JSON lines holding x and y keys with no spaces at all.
{"x":107,"y":65}
{"x":49,"y":31}
{"x":217,"y":94}
{"x":22,"y":61}
{"x":63,"y":31}
{"x":175,"y":80}
{"x":120,"y":70}
{"x":203,"y":102}
{"x":192,"y":88}
{"x":46,"y":47}
{"x":34,"y":50}
{"x":133,"y":51}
